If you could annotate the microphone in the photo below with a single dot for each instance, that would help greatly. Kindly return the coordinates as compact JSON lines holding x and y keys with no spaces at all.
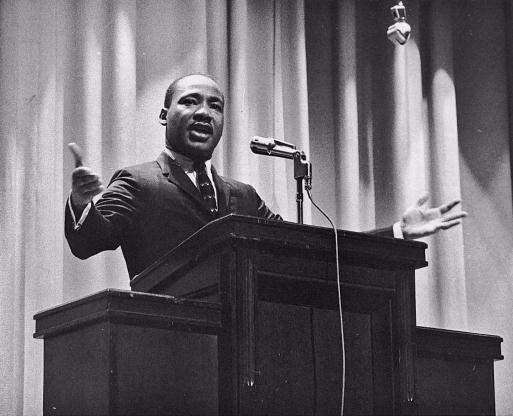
{"x":400,"y":31}
{"x":272,"y":147}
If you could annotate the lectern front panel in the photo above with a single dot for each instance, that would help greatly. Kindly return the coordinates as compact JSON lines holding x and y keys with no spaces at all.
{"x":299,"y":356}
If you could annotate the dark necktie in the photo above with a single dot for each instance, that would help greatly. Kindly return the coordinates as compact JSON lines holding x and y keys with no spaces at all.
{"x":205,"y":187}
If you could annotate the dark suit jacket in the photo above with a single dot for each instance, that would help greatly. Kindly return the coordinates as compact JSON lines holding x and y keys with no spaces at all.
{"x":150,"y":208}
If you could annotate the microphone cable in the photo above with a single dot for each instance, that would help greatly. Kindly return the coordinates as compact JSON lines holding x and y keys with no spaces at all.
{"x":308,"y":189}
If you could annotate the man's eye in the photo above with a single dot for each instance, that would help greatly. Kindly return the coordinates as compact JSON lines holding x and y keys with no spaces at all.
{"x":188,"y":101}
{"x":216,"y":106}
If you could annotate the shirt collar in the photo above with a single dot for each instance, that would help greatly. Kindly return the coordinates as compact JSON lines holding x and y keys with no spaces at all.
{"x":185,"y":163}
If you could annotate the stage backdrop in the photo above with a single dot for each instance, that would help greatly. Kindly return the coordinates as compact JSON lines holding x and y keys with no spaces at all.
{"x":381,"y":124}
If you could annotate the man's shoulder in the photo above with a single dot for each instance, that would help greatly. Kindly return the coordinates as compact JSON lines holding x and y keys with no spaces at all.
{"x":146,"y":172}
{"x":142,"y":169}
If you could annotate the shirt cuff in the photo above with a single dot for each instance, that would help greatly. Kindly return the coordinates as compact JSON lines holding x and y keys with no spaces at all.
{"x":78,"y":225}
{"x":398,"y":232}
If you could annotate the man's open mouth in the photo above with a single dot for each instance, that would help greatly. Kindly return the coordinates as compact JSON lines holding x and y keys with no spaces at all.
{"x":202,"y":128}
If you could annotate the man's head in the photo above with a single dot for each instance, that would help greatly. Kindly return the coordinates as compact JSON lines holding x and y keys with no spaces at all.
{"x":193,"y":116}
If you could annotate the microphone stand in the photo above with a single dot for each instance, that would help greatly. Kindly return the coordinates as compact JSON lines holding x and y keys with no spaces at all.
{"x":302,"y":170}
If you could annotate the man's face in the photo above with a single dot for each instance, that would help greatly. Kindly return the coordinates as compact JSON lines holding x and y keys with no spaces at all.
{"x":195,"y":117}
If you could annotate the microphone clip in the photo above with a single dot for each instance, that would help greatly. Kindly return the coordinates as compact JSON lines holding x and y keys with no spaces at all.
{"x":303,"y":169}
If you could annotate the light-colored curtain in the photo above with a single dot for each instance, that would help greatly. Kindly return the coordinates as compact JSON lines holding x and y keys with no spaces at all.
{"x":381,"y":124}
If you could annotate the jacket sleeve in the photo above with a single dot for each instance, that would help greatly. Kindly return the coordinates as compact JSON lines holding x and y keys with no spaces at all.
{"x":383,"y":232}
{"x":262,"y":209}
{"x":108,"y":219}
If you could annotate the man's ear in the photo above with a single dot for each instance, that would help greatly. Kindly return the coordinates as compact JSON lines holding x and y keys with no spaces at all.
{"x":163,"y":116}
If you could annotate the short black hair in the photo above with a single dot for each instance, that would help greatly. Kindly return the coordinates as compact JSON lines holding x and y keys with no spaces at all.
{"x":172,"y":87}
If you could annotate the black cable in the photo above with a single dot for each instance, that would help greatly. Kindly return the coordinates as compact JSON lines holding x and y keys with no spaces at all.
{"x":314,"y":366}
{"x":339,"y":300}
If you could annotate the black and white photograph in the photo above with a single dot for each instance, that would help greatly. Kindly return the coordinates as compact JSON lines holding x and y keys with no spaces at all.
{"x":256,"y":207}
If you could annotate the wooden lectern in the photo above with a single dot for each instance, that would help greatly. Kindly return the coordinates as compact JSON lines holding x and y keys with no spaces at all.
{"x":252,"y":328}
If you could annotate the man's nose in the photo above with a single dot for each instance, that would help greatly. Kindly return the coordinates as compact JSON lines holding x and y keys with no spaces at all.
{"x":203,"y":111}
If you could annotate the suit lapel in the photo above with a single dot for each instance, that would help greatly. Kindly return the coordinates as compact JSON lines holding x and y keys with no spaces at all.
{"x":176,"y":175}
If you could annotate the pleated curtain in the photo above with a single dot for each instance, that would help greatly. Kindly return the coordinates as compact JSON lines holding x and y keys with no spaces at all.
{"x":380,"y":123}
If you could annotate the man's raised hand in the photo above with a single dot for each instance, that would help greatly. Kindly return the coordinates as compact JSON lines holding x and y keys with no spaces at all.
{"x":419,"y":221}
{"x":85,"y":184}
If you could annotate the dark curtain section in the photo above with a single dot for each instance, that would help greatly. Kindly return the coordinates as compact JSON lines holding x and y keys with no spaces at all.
{"x":508,"y":16}
{"x":381,"y":124}
{"x":321,"y":66}
{"x":483,"y":81}
{"x":431,"y":116}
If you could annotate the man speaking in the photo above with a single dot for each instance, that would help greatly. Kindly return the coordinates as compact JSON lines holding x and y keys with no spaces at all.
{"x":149,"y":208}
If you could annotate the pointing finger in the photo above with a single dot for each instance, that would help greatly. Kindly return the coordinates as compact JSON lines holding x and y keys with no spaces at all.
{"x":447,"y":207}
{"x":455,"y":216}
{"x":77,"y":153}
{"x":450,"y":224}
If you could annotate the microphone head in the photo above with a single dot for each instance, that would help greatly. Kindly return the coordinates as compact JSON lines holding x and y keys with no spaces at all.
{"x":261,"y":145}
{"x":399,"y":33}
{"x":271,"y":147}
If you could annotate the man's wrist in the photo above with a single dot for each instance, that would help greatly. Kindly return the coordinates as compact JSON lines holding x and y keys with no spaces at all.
{"x":78,"y":218}
{"x":77,"y":208}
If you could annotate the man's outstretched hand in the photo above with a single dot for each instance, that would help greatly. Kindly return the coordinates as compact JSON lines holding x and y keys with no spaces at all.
{"x":419,"y":221}
{"x":85,"y":184}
